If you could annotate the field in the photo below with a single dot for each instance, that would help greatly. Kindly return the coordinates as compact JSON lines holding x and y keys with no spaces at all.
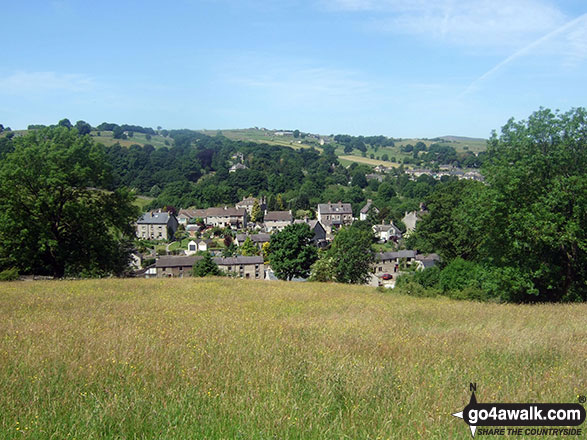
{"x":225,"y":359}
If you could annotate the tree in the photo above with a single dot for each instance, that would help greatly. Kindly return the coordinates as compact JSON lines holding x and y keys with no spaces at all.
{"x":536,"y":218}
{"x":205,"y":267}
{"x":248,"y":248}
{"x":256,"y":213}
{"x":52,"y":219}
{"x":352,"y":254}
{"x":296,"y":133}
{"x":292,"y":252}
{"x":65,"y":123}
{"x":83,"y":128}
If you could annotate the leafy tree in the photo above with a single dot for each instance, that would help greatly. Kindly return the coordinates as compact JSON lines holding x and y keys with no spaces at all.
{"x":537,"y":215}
{"x":83,"y":127}
{"x":292,"y":252}
{"x":248,"y":248}
{"x":205,"y":267}
{"x":324,"y":269}
{"x":65,"y":123}
{"x":256,"y":213}
{"x":52,"y":221}
{"x":296,"y":133}
{"x":352,"y":254}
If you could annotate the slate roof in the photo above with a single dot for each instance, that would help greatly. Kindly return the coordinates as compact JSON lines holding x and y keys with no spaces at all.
{"x":255,"y":259}
{"x":278,"y":216}
{"x":335,"y":208}
{"x":255,"y":238}
{"x":176,"y":261}
{"x":225,"y":212}
{"x":154,"y":218}
{"x":393,"y":255}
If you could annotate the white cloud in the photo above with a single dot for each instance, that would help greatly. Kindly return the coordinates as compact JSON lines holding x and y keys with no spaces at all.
{"x":26,"y":83}
{"x":497,"y":23}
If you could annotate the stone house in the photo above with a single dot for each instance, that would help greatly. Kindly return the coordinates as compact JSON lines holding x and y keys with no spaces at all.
{"x":244,"y":267}
{"x":226,"y":217}
{"x":389,"y":262}
{"x":334,"y":215}
{"x":156,"y":226}
{"x":364,"y":213}
{"x":277,"y":220}
{"x":187,"y":216}
{"x":386,"y":233}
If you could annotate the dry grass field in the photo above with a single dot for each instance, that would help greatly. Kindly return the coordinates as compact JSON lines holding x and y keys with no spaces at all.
{"x":229,"y":359}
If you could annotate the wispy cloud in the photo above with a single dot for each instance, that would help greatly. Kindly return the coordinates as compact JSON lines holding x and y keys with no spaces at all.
{"x":23,"y":83}
{"x":576,"y":30}
{"x":486,"y":23}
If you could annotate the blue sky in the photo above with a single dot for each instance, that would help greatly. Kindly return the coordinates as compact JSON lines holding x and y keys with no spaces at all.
{"x":400,"y":68}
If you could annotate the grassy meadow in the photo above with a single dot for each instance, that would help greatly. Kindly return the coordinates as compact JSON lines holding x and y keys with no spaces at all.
{"x":230,"y":359}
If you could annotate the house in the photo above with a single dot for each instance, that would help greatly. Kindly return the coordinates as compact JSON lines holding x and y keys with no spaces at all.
{"x":198,"y":246}
{"x":236,"y":167}
{"x":389,"y":262}
{"x":248,"y":203}
{"x":181,"y":266}
{"x":318,"y":230}
{"x":364,"y":213}
{"x":425,"y":261}
{"x":187,"y":216}
{"x":333,"y":215}
{"x":373,"y":176}
{"x":244,"y":267}
{"x":381,"y":169}
{"x":226,"y":217}
{"x":411,"y":218}
{"x":192,"y":230}
{"x":387,"y":232}
{"x":156,"y":226}
{"x":175,"y":266}
{"x":277,"y":220}
{"x":258,"y":239}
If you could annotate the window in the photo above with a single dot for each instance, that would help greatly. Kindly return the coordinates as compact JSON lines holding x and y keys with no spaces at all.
{"x":192,"y":247}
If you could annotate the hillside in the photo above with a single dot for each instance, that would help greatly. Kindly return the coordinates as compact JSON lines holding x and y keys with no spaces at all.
{"x":219,"y":358}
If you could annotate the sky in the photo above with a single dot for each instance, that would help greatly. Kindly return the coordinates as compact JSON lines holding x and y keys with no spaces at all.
{"x":400,"y":68}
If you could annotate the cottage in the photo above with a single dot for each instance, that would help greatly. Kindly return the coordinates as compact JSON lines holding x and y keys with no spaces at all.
{"x":174,"y":266}
{"x":236,"y":167}
{"x":187,"y":216}
{"x":389,"y":262}
{"x":258,"y":239}
{"x":226,"y":217}
{"x":387,"y":232}
{"x":318,"y":230}
{"x":425,"y":261}
{"x":333,"y":215}
{"x":248,"y":203}
{"x":277,"y":220}
{"x":198,"y":246}
{"x":244,"y":267}
{"x":364,"y":213}
{"x":156,"y":226}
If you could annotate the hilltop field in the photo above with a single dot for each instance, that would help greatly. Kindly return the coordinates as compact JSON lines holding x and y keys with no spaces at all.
{"x":226,"y":359}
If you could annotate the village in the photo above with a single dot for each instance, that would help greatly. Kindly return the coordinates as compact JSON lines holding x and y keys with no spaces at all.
{"x":179,"y":240}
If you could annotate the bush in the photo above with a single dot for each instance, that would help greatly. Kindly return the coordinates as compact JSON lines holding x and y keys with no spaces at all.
{"x":9,"y":274}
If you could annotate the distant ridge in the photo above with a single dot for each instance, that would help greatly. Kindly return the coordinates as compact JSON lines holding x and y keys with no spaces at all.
{"x":461,"y":139}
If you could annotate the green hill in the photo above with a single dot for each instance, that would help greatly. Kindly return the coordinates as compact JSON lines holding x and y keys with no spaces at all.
{"x":225,"y":358}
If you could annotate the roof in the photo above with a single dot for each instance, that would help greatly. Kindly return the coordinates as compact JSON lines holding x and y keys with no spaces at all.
{"x":278,"y":216}
{"x":156,"y":218}
{"x":225,"y":212}
{"x":335,"y":208}
{"x":394,"y":255}
{"x":238,"y":166}
{"x":176,"y":261}
{"x":424,"y":257}
{"x":192,"y":213}
{"x":249,"y":201}
{"x":255,"y":238}
{"x":365,"y":209}
{"x":385,"y":228}
{"x":256,"y":259}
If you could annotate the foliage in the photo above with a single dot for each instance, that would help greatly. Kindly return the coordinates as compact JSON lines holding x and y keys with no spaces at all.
{"x":352,"y":254}
{"x":52,"y":220}
{"x":292,"y":252}
{"x":205,"y":267}
{"x":324,"y":269}
{"x":256,"y":212}
{"x":9,"y":274}
{"x":248,"y":248}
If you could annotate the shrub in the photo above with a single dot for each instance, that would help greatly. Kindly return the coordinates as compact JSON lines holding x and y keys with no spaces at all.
{"x":9,"y":274}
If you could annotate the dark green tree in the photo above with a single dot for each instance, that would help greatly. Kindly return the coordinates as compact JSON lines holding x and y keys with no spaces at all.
{"x":83,"y":127}
{"x":65,"y":123}
{"x":52,"y":219}
{"x":292,"y":252}
{"x":205,"y":267}
{"x":352,"y":254}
